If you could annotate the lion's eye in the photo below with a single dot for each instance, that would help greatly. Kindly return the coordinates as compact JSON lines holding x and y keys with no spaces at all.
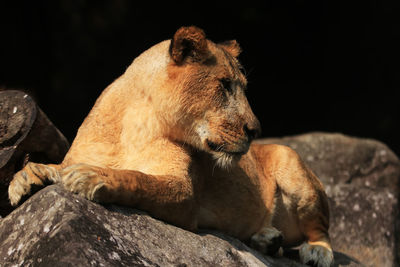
{"x":227,"y":84}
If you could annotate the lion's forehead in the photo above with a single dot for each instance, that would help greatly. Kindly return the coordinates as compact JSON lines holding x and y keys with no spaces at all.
{"x":231,"y":65}
{"x":225,"y":65}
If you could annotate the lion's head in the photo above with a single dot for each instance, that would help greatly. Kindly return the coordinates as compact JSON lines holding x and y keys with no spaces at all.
{"x":211,"y":111}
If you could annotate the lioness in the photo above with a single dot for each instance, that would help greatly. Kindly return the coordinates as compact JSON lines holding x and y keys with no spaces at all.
{"x":172,"y":136}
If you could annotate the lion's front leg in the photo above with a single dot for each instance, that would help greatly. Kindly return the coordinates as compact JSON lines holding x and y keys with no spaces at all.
{"x":268,"y":240}
{"x":168,"y":198}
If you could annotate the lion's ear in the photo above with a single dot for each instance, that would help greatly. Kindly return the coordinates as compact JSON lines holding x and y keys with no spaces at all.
{"x":232,"y":47}
{"x":189,"y":44}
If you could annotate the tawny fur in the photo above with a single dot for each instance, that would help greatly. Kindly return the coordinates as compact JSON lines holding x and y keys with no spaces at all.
{"x":172,"y":136}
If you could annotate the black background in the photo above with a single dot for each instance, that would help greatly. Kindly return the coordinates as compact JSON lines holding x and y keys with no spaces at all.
{"x":312,"y":65}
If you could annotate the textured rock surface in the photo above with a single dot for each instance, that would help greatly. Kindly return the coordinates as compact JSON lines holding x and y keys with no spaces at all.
{"x":55,"y":228}
{"x":361,"y":178}
{"x":25,"y":134}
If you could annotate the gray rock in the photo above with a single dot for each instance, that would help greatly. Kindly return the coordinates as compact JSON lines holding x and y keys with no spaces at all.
{"x":337,"y":158}
{"x":56,"y":228}
{"x":26,"y":133}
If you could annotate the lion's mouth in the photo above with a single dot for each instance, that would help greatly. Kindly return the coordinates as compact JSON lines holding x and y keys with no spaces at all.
{"x":221,"y":148}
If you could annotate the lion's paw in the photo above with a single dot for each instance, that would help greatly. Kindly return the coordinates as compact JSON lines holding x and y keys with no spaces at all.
{"x":32,"y":177}
{"x":18,"y":187}
{"x":84,"y":180}
{"x":316,"y":255}
{"x":267,"y":241}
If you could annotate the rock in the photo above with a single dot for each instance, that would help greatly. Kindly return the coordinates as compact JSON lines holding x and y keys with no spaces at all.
{"x":56,"y":228}
{"x":25,"y":134}
{"x":340,"y":159}
{"x":361,"y":178}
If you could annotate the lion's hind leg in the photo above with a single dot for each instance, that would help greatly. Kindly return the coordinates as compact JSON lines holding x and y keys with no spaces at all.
{"x":32,"y":176}
{"x":314,"y":223}
{"x":316,"y":250}
{"x":303,"y":211}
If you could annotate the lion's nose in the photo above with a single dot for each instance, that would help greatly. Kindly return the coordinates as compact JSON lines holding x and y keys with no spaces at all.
{"x":252,"y":130}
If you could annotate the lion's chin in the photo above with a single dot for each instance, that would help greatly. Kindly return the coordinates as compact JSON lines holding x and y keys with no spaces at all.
{"x":225,"y":160}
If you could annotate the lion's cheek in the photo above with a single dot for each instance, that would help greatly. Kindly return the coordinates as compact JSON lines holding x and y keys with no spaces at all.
{"x":203,"y":132}
{"x":220,"y":136}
